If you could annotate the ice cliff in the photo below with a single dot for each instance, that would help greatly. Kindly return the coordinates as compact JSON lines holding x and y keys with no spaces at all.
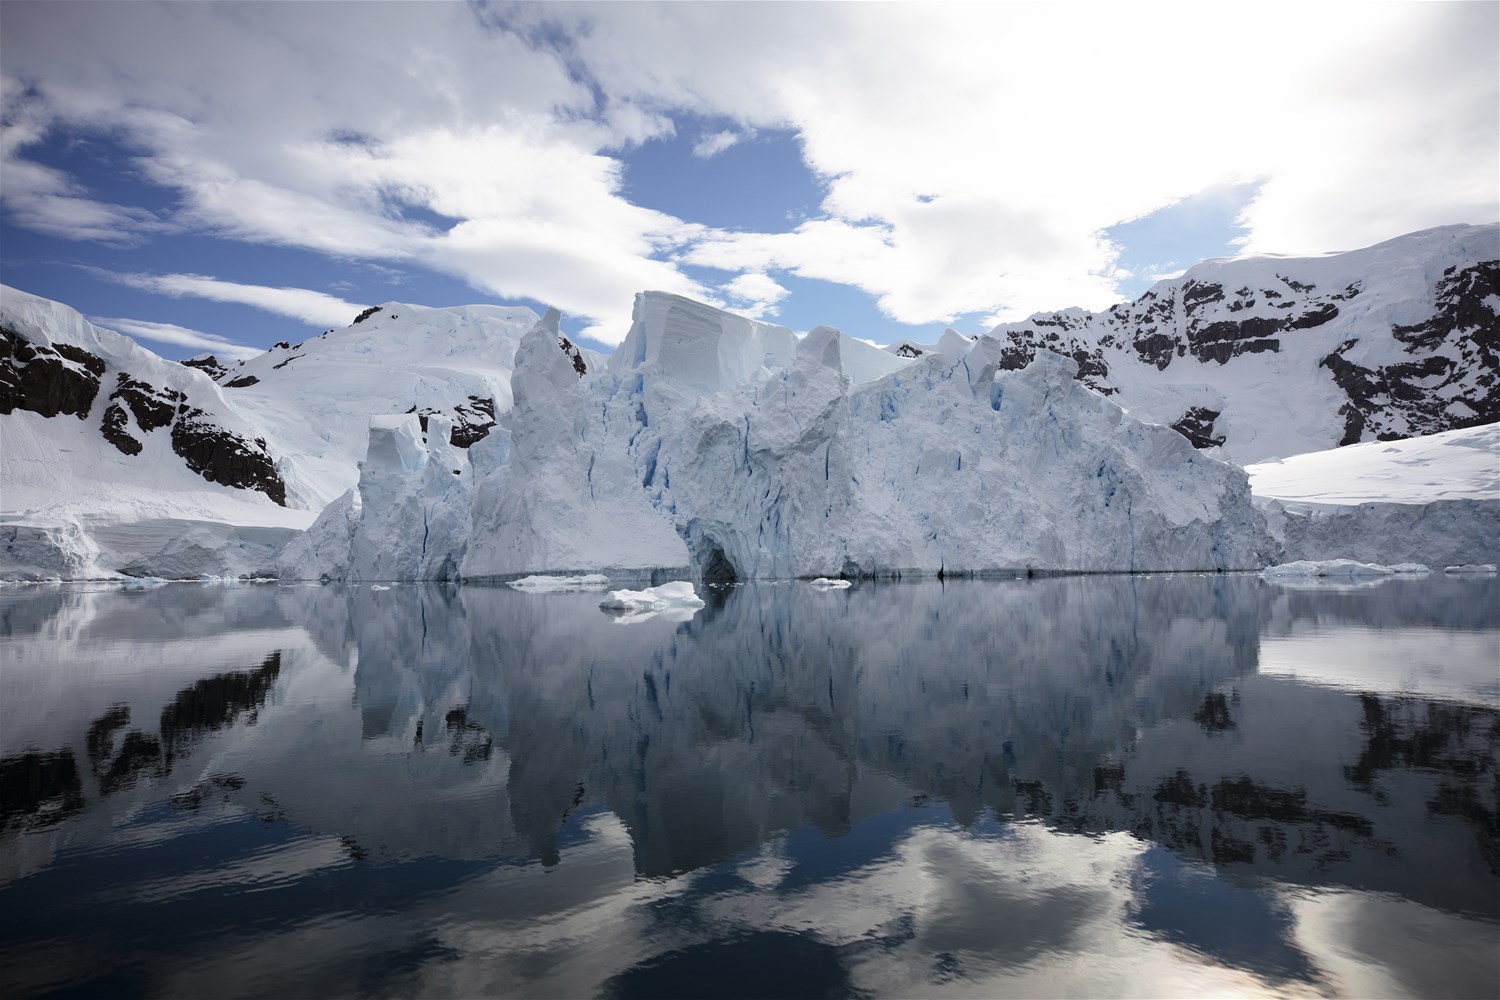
{"x":730,"y":447}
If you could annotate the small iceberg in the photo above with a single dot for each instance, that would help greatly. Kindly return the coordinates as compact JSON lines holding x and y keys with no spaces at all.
{"x":1470,"y":569}
{"x":560,"y":584}
{"x":824,"y":583}
{"x":376,"y":586}
{"x":678,"y":594}
{"x":1339,"y":569}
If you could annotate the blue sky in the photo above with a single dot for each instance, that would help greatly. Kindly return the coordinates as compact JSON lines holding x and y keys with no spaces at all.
{"x":223,"y":176}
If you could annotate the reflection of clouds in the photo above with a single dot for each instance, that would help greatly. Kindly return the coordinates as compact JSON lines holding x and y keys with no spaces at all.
{"x":1374,"y":945}
{"x":1434,"y":662}
{"x":1016,"y":911}
{"x":760,"y":770}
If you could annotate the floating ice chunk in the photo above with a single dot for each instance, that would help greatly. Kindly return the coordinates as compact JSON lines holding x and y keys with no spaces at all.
{"x":558,"y":584}
{"x":824,"y":583}
{"x":376,"y":586}
{"x":1346,"y":569}
{"x":677,"y":594}
{"x":1470,"y":568}
{"x":1410,"y":569}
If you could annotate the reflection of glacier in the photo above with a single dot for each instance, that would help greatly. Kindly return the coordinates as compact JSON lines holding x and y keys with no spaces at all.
{"x":1098,"y":704}
{"x":479,"y":723}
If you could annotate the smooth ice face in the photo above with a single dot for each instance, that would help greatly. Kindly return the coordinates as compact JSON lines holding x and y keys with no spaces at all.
{"x":700,"y":346}
{"x":396,"y":445}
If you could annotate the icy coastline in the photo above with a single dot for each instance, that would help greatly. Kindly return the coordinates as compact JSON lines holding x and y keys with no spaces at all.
{"x":708,"y":446}
{"x":732,"y":450}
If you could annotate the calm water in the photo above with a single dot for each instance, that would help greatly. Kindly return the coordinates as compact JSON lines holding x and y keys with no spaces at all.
{"x":1149,"y":786}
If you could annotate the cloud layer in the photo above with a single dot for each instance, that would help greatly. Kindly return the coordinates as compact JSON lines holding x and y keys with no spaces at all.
{"x":973,"y":157}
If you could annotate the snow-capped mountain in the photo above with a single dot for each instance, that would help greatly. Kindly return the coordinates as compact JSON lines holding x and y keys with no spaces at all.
{"x":710,"y":432}
{"x":69,"y":387}
{"x":314,"y":399}
{"x":1267,"y":357}
{"x":114,"y":458}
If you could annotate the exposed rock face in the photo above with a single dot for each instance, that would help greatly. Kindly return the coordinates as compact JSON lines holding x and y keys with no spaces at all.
{"x":472,"y":421}
{"x":574,"y":354}
{"x":151,"y":407}
{"x":1197,"y":425}
{"x":47,"y":379}
{"x":209,"y":365}
{"x":221,"y":456}
{"x":44,"y":369}
{"x":1452,"y":379}
{"x":1365,"y":340}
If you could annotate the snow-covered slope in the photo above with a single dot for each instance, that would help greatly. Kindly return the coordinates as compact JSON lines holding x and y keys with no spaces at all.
{"x":1454,"y":465}
{"x":115,"y":460}
{"x":1433,"y":500}
{"x":314,"y":399}
{"x":736,"y":451}
{"x":96,"y":432}
{"x":1268,"y":357}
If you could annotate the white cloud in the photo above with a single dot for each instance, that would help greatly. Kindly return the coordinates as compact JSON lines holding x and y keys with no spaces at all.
{"x":311,"y":307}
{"x":975,"y":171}
{"x":980,"y":169}
{"x":754,"y":294}
{"x":169,"y":333}
{"x":713,"y":144}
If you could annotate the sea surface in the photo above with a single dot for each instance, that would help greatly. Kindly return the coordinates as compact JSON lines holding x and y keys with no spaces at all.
{"x":1146,"y":786}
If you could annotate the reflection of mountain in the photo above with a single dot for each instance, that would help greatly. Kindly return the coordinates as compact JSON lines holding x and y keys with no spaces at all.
{"x":484,"y":722}
{"x":1097,"y":704}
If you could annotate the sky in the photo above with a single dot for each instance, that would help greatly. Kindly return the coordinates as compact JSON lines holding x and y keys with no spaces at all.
{"x":221,"y":176}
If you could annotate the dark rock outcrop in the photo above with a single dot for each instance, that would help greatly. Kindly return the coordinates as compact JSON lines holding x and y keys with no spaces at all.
{"x":1197,"y":425}
{"x":208,"y":364}
{"x":1453,"y":376}
{"x":47,"y":380}
{"x":574,"y":354}
{"x":472,"y":421}
{"x":221,"y":456}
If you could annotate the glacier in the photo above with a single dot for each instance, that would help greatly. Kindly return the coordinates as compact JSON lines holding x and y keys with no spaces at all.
{"x":728,"y":449}
{"x":462,"y":443}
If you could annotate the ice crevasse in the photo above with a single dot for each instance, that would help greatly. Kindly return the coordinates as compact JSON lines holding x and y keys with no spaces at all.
{"x":727,"y":448}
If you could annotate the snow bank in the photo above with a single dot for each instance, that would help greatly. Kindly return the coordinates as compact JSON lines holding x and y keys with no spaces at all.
{"x":1338,"y":568}
{"x":1433,"y":499}
{"x":560,"y":584}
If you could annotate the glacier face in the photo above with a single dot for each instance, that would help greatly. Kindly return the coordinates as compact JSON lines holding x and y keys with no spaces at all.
{"x":715,"y":444}
{"x":734,"y":451}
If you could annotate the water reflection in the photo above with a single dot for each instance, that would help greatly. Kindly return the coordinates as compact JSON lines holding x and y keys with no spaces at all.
{"x":997,"y":787}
